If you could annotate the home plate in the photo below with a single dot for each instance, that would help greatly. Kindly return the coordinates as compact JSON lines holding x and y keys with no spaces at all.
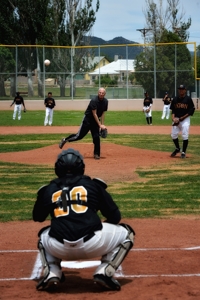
{"x":80,"y":264}
{"x":87,"y":264}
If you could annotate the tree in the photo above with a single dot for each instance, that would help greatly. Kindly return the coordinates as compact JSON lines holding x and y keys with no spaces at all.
{"x":166,"y":55}
{"x":80,"y":20}
{"x":160,"y":18}
{"x":172,"y":63}
{"x":7,"y":65}
{"x":106,"y":81}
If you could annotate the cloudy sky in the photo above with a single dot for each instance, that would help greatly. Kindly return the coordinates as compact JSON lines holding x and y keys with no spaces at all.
{"x":123,"y":18}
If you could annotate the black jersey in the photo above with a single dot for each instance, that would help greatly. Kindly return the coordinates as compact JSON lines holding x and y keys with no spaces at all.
{"x":84,"y":199}
{"x":49,"y":102}
{"x":147,"y":101}
{"x":18,"y":100}
{"x":95,"y":104}
{"x":167,"y":100}
{"x":182,"y":106}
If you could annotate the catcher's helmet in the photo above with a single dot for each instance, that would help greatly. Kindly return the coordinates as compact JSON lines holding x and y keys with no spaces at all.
{"x":69,"y":161}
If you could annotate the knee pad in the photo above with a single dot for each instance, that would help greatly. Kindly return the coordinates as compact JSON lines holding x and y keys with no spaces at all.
{"x":123,"y":250}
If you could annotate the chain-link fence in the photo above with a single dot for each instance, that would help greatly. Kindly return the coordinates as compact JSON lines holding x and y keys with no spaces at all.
{"x":77,"y":72}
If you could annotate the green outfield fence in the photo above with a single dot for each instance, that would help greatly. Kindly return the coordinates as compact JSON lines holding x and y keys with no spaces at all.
{"x":77,"y":72}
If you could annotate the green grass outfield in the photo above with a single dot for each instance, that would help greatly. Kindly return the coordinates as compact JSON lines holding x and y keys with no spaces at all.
{"x":163,"y":193}
{"x":70,"y":118}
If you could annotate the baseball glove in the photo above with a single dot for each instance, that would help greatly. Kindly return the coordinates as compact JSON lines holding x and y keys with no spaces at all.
{"x":103,"y":133}
{"x":176,"y":122}
{"x":147,"y":110}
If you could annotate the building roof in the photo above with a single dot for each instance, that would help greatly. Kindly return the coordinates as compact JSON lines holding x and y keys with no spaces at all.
{"x":115,"y":67}
{"x":91,"y":61}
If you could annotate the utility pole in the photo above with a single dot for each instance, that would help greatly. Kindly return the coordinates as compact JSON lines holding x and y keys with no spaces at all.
{"x":144,"y":31}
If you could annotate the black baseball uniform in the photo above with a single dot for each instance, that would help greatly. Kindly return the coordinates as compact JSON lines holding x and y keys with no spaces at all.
{"x":182,"y":108}
{"x":90,"y":124}
{"x":147,"y":104}
{"x":50,"y":103}
{"x":18,"y":101}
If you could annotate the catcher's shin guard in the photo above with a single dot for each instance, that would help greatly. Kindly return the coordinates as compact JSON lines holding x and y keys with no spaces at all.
{"x":124,"y":248}
{"x":49,"y":278}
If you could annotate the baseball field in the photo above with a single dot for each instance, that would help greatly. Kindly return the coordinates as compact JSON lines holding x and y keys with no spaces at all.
{"x":164,"y":262}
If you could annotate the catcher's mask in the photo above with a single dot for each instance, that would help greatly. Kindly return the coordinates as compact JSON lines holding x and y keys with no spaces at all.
{"x":69,"y":161}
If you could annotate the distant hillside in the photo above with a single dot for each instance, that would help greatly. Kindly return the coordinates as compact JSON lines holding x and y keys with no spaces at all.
{"x":110,"y":52}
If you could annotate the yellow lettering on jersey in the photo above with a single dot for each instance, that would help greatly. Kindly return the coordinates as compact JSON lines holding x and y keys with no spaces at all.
{"x":79,"y":193}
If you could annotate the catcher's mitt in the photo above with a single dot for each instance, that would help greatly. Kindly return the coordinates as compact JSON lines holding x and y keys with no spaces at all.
{"x":104,"y":133}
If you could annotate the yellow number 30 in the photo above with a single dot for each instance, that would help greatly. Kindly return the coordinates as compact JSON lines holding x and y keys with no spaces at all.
{"x":77,"y":193}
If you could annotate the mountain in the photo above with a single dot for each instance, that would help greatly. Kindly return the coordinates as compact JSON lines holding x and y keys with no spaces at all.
{"x":110,"y":52}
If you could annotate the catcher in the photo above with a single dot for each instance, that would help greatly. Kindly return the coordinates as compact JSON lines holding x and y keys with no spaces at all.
{"x":147,"y":107}
{"x":93,"y":121}
{"x":76,"y":231}
{"x":182,"y":108}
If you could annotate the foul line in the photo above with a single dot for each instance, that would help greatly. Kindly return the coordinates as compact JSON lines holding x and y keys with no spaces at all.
{"x":87,"y":264}
{"x":134,"y":249}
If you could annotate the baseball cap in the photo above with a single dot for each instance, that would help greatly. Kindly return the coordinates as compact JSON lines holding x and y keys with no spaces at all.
{"x":181,"y":87}
{"x":166,"y":93}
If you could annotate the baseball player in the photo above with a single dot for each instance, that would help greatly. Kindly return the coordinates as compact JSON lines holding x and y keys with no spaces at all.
{"x":147,"y":108}
{"x":18,"y":101}
{"x":93,"y":121}
{"x":166,"y":106}
{"x":182,"y":108}
{"x":49,"y":103}
{"x":76,"y":232}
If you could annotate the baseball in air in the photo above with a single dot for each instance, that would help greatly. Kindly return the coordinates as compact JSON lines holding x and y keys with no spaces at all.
{"x":47,"y":62}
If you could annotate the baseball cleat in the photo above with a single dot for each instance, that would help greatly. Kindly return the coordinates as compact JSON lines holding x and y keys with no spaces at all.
{"x":62,"y":143}
{"x":108,"y":282}
{"x":96,"y":156}
{"x":182,"y":155}
{"x":175,"y":152}
{"x":44,"y":285}
{"x":52,"y":281}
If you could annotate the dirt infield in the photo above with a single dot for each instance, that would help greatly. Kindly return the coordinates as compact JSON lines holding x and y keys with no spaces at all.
{"x":164,"y":263}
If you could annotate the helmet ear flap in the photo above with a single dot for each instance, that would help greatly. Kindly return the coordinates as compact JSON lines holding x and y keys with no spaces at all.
{"x":69,"y":162}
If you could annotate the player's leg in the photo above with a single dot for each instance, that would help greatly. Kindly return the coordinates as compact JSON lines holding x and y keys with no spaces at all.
{"x":52,"y":273}
{"x":50,"y":116}
{"x":116,"y":241}
{"x":150,"y":117}
{"x":15,"y":112}
{"x":174,"y":135}
{"x":19,"y":112}
{"x":46,"y":116}
{"x":164,"y":111}
{"x":83,"y":130}
{"x":185,"y":135}
{"x":167,"y":112}
{"x":96,"y":140}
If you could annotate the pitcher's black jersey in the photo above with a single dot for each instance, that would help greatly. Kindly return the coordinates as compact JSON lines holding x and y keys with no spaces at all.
{"x":95,"y":104}
{"x":84,"y":199}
